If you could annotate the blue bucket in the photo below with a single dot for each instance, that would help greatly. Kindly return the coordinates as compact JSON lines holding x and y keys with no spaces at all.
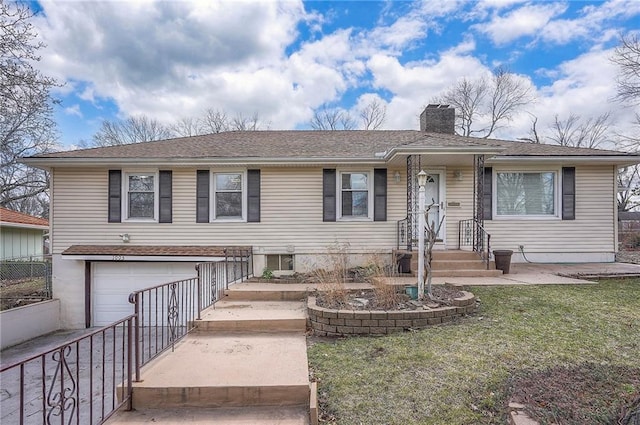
{"x":411,"y":291}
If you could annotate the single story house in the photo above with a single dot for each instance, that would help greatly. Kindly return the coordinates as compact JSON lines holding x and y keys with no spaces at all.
{"x":131,"y":216}
{"x":22,"y":236}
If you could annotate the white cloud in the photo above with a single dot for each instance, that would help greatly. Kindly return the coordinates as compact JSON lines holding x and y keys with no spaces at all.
{"x":524,"y":21}
{"x":151,"y":56}
{"x":73,"y":110}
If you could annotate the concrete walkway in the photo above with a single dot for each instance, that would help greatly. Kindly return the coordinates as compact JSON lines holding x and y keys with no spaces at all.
{"x":246,"y":363}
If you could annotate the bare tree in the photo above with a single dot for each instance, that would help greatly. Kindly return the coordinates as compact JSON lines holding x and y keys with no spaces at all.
{"x":373,"y":115}
{"x":479,"y":100}
{"x":246,"y":123}
{"x":131,"y":130}
{"x":27,"y":126}
{"x":214,"y":121}
{"x":467,"y":97}
{"x":533,"y":136}
{"x":186,"y":127}
{"x":574,"y":131}
{"x":508,"y":96}
{"x":331,"y":119}
{"x":627,"y":58}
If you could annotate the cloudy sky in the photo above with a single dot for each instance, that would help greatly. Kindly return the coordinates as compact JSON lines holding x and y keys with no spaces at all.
{"x":282,"y":60}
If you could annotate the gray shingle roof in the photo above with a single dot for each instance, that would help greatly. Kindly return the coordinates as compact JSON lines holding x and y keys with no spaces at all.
{"x":356,"y":144}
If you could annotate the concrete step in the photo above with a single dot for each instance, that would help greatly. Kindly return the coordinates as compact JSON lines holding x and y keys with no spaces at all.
{"x":460,"y":264}
{"x":254,"y":291}
{"x":467,"y":273}
{"x":227,"y":370}
{"x":454,"y":254}
{"x":254,"y":316}
{"x":224,"y":416}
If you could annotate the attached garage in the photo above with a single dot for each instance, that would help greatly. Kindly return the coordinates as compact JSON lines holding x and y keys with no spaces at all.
{"x":112,"y":282}
{"x":112,"y":272}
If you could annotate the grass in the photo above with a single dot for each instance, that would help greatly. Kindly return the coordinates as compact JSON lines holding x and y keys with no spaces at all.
{"x":467,"y":373}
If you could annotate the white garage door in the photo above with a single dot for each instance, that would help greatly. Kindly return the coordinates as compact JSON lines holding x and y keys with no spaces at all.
{"x":113,"y":282}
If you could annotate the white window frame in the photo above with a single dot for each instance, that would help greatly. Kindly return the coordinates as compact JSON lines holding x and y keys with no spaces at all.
{"x":156,"y":195}
{"x":557,"y":198}
{"x":339,"y":215}
{"x":280,"y":270}
{"x":212,"y":206}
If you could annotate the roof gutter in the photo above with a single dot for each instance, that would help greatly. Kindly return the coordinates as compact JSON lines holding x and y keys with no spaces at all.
{"x":379,"y":158}
{"x":602,"y":160}
{"x":47,"y":163}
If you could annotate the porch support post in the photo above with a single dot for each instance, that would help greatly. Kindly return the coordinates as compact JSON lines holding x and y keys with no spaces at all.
{"x":87,"y":294}
{"x":422,"y":177}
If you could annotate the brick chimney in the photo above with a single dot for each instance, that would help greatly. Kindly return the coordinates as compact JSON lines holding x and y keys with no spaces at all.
{"x":438,"y":119}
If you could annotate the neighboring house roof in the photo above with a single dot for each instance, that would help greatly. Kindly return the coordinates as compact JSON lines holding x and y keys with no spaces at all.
{"x":11,"y":218}
{"x":312,"y":145}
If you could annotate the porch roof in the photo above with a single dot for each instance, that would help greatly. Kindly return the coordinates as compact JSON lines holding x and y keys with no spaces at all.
{"x":194,"y":252}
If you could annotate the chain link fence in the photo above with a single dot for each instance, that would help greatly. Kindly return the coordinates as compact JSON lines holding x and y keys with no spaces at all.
{"x":24,"y":281}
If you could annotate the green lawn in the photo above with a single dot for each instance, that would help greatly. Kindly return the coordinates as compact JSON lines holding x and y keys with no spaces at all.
{"x":465,"y":373}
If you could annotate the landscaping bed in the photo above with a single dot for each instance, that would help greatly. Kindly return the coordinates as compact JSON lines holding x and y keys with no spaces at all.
{"x":566,"y":352}
{"x":362,"y":313}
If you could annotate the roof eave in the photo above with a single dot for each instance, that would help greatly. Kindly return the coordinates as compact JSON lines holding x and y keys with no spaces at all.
{"x":591,"y":159}
{"x":48,"y":163}
{"x":24,"y":225}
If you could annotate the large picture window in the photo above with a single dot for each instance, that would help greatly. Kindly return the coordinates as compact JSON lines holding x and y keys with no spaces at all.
{"x":228,"y":195}
{"x":141,"y":196}
{"x":526,"y":193}
{"x":354,"y":195}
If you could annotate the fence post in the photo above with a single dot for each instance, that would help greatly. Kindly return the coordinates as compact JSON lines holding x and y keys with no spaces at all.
{"x":129,"y":359}
{"x":199,"y":289}
{"x":136,"y":312}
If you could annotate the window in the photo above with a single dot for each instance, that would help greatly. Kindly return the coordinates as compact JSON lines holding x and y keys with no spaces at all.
{"x":526,"y":193}
{"x":280,"y":262}
{"x":141,"y":196}
{"x":227,"y":203}
{"x":354,"y":195}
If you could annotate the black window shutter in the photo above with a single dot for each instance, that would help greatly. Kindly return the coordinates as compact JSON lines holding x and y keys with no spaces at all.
{"x":202,"y":196}
{"x":115,"y":196}
{"x":328,"y":195}
{"x":165,"y":196}
{"x":568,"y":193}
{"x":380,"y":194}
{"x":253,"y":196}
{"x":487,"y":194}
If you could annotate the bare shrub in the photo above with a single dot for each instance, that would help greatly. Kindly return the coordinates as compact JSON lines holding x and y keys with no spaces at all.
{"x":386,"y":295}
{"x":334,"y":274}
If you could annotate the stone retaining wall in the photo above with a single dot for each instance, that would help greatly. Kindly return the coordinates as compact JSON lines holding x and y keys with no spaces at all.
{"x":329,"y":322}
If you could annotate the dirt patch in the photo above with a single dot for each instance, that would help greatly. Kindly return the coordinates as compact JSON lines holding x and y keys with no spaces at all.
{"x":369,"y":299}
{"x":580,"y":394}
{"x":19,"y":292}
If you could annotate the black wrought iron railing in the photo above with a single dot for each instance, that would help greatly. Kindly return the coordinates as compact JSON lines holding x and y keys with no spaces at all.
{"x":86,"y":380}
{"x":166,"y":313}
{"x":472,"y":234}
{"x":403,"y":238}
{"x":83,"y":381}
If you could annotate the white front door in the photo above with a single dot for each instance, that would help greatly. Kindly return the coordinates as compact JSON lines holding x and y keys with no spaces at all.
{"x":434,"y":201}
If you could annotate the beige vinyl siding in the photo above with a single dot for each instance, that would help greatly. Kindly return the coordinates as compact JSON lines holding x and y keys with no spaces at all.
{"x":291,"y":214}
{"x":591,"y":231}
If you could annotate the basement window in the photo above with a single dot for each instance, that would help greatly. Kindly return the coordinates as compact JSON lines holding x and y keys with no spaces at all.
{"x":280,"y":262}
